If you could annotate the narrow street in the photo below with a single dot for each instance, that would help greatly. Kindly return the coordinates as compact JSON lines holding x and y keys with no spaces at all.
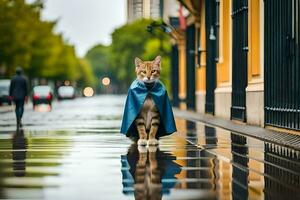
{"x":75,"y":151}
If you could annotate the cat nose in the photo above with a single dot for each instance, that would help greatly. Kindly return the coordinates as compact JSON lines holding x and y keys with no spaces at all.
{"x":148,"y":77}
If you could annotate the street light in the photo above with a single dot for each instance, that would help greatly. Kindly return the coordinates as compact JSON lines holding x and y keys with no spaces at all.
{"x":67,"y":83}
{"x":162,"y":25}
{"x":106,"y":81}
{"x":88,"y":92}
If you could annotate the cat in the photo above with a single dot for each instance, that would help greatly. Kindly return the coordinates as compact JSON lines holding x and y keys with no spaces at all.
{"x":148,"y":174}
{"x":148,"y":120}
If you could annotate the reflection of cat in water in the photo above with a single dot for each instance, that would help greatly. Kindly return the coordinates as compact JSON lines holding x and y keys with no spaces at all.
{"x":147,"y":175}
{"x":147,"y":169}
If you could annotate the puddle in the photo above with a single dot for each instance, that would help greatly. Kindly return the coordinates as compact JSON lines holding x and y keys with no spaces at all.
{"x":50,"y":165}
{"x":79,"y":160}
{"x":256,"y":169}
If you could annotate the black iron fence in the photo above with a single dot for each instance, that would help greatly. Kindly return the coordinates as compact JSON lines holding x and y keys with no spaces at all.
{"x":190,"y":67}
{"x":239,"y":59}
{"x":282,"y":66}
{"x":211,"y":38}
{"x":282,"y":177}
{"x":174,"y":76}
{"x":240,"y":170}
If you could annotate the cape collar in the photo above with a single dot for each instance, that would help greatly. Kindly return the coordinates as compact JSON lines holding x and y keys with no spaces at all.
{"x":143,"y":85}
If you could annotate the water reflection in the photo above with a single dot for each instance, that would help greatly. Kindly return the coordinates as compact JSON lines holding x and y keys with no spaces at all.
{"x":210,"y":136}
{"x":240,"y":170}
{"x":222,"y":165}
{"x":205,"y":170}
{"x":191,"y":131}
{"x":282,"y":172}
{"x":19,"y":145}
{"x":148,"y":173}
{"x":206,"y":167}
{"x":228,"y":165}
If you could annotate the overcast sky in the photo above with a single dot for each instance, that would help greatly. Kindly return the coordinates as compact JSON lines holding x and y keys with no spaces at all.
{"x":86,"y":22}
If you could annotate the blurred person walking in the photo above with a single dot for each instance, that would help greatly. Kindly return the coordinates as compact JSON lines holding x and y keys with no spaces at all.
{"x":18,"y":92}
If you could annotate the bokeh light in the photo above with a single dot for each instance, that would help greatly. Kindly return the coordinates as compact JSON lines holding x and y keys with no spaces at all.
{"x":88,"y":92}
{"x":106,"y":81}
{"x":67,"y":83}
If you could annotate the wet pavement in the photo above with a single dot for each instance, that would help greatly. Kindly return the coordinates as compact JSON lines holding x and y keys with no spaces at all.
{"x":75,"y":151}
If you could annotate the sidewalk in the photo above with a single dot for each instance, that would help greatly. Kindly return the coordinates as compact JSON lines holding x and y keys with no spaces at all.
{"x":281,"y":138}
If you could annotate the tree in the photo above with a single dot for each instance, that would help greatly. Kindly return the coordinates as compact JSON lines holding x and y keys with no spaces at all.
{"x":128,"y":42}
{"x":28,"y":41}
{"x":98,"y":57}
{"x":16,"y":35}
{"x":46,"y":49}
{"x":86,"y":77}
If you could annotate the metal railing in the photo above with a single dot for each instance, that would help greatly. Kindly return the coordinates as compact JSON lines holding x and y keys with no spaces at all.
{"x":282,"y":66}
{"x":190,"y":67}
{"x":211,"y":38}
{"x":239,"y":60}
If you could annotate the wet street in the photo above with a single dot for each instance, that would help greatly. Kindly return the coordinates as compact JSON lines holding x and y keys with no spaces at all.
{"x":75,"y":151}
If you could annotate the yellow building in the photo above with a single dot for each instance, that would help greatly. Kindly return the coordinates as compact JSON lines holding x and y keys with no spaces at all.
{"x":239,"y":60}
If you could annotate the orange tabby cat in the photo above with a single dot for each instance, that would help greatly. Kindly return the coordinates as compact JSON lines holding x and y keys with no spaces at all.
{"x":148,"y":120}
{"x":148,"y":175}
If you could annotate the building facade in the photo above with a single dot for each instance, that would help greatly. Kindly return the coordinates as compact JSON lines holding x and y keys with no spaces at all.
{"x":137,"y":9}
{"x":240,"y":61}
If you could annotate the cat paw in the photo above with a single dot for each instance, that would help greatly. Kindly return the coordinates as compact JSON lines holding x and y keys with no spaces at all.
{"x":152,"y":142}
{"x":152,"y":149}
{"x":142,"y":142}
{"x":142,"y":149}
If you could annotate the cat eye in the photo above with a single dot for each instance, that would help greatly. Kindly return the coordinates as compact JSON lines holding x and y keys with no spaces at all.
{"x":153,"y":71}
{"x":143,"y":71}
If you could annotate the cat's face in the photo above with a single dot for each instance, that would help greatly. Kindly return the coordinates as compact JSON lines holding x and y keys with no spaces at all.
{"x":148,"y":71}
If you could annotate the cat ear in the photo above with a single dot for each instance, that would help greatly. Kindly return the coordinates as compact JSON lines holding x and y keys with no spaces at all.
{"x":157,"y":60}
{"x":137,"y":61}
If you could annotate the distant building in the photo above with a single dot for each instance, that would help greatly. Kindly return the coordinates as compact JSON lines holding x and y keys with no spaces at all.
{"x":137,"y":9}
{"x":170,"y":9}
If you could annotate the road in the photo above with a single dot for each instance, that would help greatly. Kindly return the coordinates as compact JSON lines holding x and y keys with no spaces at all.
{"x":75,"y":151}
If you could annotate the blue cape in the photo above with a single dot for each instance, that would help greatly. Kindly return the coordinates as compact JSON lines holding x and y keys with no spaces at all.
{"x":136,"y":96}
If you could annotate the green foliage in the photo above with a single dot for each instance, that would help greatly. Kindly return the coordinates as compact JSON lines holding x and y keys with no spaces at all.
{"x":98,"y":58}
{"x":16,"y":35}
{"x":67,"y":64}
{"x":29,"y":42}
{"x":86,"y":77}
{"x":128,"y":42}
